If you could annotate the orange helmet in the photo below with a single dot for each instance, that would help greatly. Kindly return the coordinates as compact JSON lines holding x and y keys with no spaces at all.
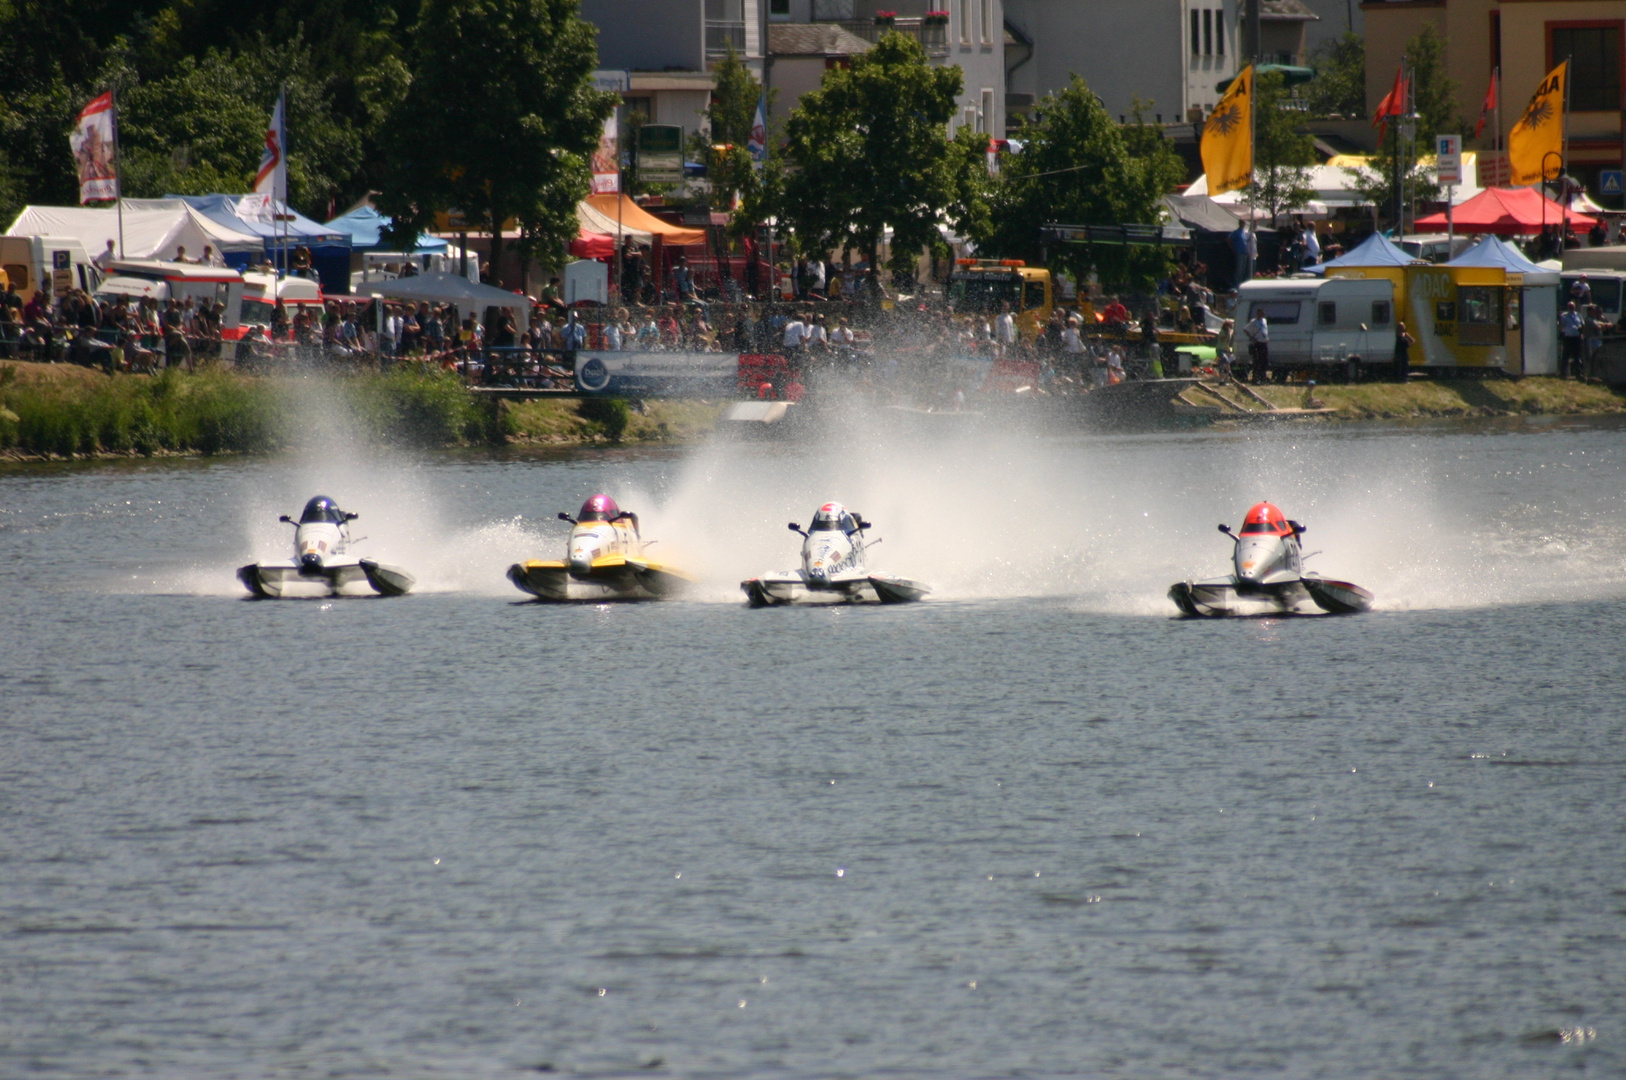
{"x":1265,"y":518}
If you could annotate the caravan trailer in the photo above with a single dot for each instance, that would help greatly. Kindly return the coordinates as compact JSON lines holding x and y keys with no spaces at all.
{"x":1332,"y":325}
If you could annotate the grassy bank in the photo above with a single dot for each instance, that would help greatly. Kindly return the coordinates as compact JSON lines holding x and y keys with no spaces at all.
{"x":1421,"y":398}
{"x":62,"y":411}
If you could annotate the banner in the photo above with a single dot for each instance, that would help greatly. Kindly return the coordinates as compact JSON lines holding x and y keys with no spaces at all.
{"x":272,"y":179}
{"x":92,"y":141}
{"x":758,"y":142}
{"x":1540,"y":131}
{"x":669,"y":374}
{"x":607,"y":160}
{"x":1227,"y":146}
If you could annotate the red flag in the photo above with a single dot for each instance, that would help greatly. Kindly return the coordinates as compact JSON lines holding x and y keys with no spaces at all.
{"x":1393,"y":104}
{"x":1490,"y":102}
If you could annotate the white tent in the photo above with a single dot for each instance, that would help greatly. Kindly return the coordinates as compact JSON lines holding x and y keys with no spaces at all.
{"x":1333,"y":191}
{"x":594,"y":220}
{"x":470,"y":298}
{"x":153,"y":228}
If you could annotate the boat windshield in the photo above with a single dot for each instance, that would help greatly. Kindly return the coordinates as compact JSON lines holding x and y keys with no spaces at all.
{"x":830,"y":524}
{"x":1262,"y":527}
{"x":322,"y":508}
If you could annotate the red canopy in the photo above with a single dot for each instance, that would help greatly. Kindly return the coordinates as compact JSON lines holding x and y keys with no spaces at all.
{"x":1506,"y":212}
{"x":592,"y":245}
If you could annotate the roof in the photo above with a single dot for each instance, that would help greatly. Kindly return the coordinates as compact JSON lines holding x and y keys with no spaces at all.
{"x":447,"y":289}
{"x":1375,"y":250}
{"x":366,"y":226}
{"x":1493,"y":252}
{"x":1286,"y":11}
{"x":1201,"y":212}
{"x":255,"y":214}
{"x":814,"y":39}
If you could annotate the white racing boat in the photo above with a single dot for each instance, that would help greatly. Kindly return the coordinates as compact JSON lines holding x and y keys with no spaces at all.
{"x":1268,"y":576}
{"x":323,"y":563}
{"x":606,"y":558}
{"x":833,"y":568}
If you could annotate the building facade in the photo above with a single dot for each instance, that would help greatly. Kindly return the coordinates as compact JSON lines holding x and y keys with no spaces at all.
{"x":1525,"y":39}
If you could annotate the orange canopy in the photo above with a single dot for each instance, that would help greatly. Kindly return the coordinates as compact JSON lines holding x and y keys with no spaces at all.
{"x":636,"y":217}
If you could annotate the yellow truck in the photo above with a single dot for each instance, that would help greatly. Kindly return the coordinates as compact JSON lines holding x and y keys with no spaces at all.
{"x":983,"y":286}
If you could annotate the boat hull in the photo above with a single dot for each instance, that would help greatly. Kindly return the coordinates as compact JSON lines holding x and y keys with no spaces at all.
{"x":793,"y":587}
{"x":361,"y":577}
{"x":610,"y":579}
{"x":1225,"y":598}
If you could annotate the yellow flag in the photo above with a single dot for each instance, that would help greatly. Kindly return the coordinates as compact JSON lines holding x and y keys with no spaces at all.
{"x":1540,"y":131}
{"x":1228,"y":137}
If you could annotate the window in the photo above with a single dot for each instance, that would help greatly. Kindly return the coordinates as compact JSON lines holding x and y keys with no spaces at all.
{"x":779,"y":7}
{"x":1276,"y":312}
{"x":1327,"y":313}
{"x":1196,"y":40}
{"x":1219,"y":32}
{"x":965,"y":21}
{"x":1208,"y":32}
{"x":1481,"y":315}
{"x":1594,"y":55}
{"x":1380,"y":313}
{"x":987,"y":22}
{"x":987,"y":127}
{"x":1032,"y":295}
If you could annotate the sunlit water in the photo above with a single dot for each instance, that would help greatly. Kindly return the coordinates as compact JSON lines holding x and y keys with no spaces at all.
{"x":1033,"y":826}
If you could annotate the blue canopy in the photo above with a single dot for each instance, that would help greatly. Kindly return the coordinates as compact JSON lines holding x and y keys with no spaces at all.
{"x":329,"y":248}
{"x":365,"y":226}
{"x":1375,"y":250}
{"x":1493,"y":252}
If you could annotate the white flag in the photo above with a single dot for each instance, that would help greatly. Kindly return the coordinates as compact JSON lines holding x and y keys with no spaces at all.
{"x":272,"y":179}
{"x":92,"y":142}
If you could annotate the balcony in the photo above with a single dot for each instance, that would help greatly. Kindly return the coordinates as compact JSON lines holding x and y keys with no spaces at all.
{"x":722,"y":33}
{"x":933,"y":36}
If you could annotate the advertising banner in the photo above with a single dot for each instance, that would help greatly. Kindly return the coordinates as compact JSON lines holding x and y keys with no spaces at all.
{"x":92,"y":142}
{"x":666,"y":374}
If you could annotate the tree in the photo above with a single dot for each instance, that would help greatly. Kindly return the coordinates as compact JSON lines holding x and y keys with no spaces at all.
{"x":1434,"y":97}
{"x":871,"y":151}
{"x":499,"y":121}
{"x":1339,"y":87}
{"x":730,"y":171}
{"x":1280,"y":153}
{"x":1079,"y":167}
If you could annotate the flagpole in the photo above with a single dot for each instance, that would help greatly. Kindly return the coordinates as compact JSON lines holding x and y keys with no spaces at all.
{"x":118,"y":176}
{"x":1564,"y":159}
{"x":282,"y":137}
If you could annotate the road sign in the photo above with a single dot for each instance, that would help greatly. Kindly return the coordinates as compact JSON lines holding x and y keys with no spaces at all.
{"x":1448,"y":155}
{"x":1609,"y":182}
{"x":660,"y":154}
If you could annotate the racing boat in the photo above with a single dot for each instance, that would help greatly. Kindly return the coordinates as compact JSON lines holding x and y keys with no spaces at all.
{"x":606,"y":558}
{"x":833,"y":570}
{"x":1268,"y":576}
{"x":323,"y":563}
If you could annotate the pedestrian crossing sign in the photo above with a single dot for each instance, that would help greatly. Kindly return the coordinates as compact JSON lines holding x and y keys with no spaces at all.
{"x":1609,"y":182}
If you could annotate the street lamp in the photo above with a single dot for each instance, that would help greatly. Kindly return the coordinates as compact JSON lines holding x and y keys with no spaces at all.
{"x":1544,"y":182}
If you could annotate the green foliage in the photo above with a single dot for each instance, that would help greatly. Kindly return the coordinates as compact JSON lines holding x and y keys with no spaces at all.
{"x":871,"y":151}
{"x":1281,"y":154}
{"x":612,"y":415}
{"x":1078,"y":167}
{"x":410,"y":407}
{"x":729,"y":168}
{"x":1435,"y":98}
{"x":499,"y":121}
{"x":1339,"y":87}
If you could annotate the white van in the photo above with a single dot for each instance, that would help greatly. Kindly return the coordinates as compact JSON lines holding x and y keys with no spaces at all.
{"x":1322,"y":323}
{"x":164,"y":281}
{"x":261,"y":291}
{"x":57,"y":264}
{"x":1607,"y":287}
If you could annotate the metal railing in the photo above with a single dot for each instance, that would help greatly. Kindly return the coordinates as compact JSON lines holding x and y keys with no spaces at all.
{"x":720,"y":35}
{"x":933,"y":36}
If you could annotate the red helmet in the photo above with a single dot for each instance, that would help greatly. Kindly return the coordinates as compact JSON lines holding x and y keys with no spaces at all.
{"x":599,"y":508}
{"x":1265,"y":518}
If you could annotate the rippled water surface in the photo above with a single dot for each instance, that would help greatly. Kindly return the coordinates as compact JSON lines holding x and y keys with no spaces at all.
{"x":1031,"y":827}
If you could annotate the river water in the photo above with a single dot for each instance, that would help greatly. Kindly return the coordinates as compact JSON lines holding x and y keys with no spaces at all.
{"x":1034,"y":826}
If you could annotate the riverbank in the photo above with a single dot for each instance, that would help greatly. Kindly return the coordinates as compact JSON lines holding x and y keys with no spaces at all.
{"x":62,"y":411}
{"x":1447,"y":398}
